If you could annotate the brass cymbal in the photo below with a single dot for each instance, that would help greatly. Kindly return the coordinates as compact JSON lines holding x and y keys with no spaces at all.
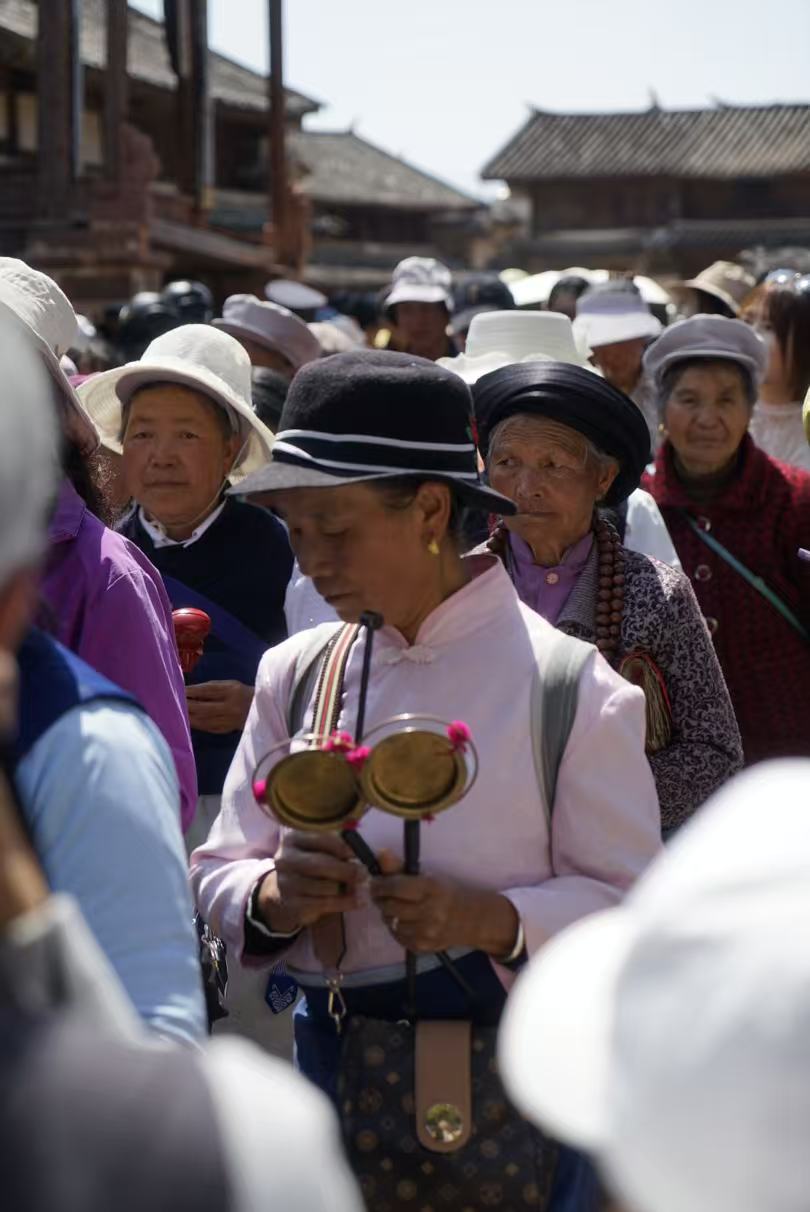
{"x":314,"y":789}
{"x":414,"y":773}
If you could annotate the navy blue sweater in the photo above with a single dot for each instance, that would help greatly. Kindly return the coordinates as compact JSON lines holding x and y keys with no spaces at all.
{"x":242,"y":563}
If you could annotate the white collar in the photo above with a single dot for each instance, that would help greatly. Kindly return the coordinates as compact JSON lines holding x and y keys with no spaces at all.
{"x":158,"y":534}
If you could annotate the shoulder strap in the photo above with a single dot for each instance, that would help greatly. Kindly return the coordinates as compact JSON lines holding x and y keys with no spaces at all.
{"x":555,"y":692}
{"x":229,"y":630}
{"x":310,"y":672}
{"x":753,"y":580}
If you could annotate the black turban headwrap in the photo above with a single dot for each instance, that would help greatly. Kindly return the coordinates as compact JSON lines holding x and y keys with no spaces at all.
{"x":572,"y":396}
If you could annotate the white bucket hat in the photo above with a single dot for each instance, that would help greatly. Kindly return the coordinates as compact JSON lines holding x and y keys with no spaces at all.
{"x":606,"y":316}
{"x":196,"y":356}
{"x":669,"y":1036}
{"x":269,"y":325}
{"x":500,"y":338}
{"x":48,"y":320}
{"x":420,"y":280}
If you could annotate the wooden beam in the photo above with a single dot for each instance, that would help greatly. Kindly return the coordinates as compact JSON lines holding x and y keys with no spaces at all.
{"x":116,"y":87}
{"x":277,"y":159}
{"x":59,"y":104}
{"x":194,"y":107}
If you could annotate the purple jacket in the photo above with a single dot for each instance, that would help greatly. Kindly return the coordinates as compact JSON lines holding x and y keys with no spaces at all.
{"x":111,"y":609}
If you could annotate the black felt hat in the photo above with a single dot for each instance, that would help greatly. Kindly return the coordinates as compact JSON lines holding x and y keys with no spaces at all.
{"x":573,"y":396}
{"x":373,"y":415}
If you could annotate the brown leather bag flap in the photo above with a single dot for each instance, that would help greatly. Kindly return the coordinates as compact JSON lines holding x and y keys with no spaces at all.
{"x":443,"y":1085}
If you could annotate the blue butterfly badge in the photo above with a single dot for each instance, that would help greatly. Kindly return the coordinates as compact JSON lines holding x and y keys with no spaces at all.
{"x":281,"y":991}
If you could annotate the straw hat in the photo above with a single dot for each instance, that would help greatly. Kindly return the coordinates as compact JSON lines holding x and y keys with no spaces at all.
{"x":500,"y":338}
{"x":196,"y":356}
{"x":47,"y":318}
{"x":726,"y":281}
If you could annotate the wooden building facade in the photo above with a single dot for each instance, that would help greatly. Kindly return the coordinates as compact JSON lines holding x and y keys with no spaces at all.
{"x":659,"y":191}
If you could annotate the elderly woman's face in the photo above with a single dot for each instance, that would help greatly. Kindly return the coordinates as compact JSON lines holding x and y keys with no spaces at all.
{"x":177,"y":453}
{"x":706,"y":417}
{"x":548,"y":471}
{"x":362,"y":552}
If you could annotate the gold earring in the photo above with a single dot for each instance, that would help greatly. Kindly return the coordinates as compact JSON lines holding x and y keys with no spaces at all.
{"x":433,"y":547}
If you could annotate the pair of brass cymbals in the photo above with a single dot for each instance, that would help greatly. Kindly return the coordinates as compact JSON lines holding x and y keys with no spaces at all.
{"x":413,"y":770}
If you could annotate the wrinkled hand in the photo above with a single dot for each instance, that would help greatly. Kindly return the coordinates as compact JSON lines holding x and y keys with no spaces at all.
{"x":315,"y":875}
{"x":428,"y":914}
{"x":218,"y":706}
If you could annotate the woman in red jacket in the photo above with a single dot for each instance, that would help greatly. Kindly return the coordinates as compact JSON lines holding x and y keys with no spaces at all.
{"x":737,"y":518}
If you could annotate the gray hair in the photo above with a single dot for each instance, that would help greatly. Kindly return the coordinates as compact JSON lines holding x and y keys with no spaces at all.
{"x":29,"y":450}
{"x":593,"y":453}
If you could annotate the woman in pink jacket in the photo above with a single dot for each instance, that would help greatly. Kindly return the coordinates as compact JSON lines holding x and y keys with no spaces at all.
{"x":372,"y":498}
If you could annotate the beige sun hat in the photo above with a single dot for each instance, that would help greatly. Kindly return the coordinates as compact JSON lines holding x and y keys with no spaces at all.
{"x":46,"y":317}
{"x":726,"y":281}
{"x":197,"y":356}
{"x":501,"y":338}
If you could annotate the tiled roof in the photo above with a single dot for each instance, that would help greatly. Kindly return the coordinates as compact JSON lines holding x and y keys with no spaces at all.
{"x":726,"y":141}
{"x":343,"y":168}
{"x":148,"y":58}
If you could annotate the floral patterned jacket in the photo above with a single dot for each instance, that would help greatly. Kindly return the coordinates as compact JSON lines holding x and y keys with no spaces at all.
{"x":662,"y":618}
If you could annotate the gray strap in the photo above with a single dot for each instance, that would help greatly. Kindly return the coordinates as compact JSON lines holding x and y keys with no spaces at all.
{"x":555,"y":691}
{"x":306,"y":676}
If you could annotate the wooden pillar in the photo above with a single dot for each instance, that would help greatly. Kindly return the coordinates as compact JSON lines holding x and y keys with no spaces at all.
{"x":195,"y":152}
{"x":277,"y":160}
{"x":116,"y":88}
{"x":59,"y":98}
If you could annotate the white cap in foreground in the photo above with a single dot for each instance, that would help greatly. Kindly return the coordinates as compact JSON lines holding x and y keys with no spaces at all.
{"x":670,"y":1037}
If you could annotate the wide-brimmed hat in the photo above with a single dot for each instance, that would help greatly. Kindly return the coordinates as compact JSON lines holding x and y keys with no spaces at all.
{"x":499,"y":338}
{"x":420,"y":280}
{"x":713,"y":337}
{"x":46,"y":317}
{"x":270,"y":325}
{"x":668,"y":1036}
{"x":726,"y":281}
{"x":572,"y":396}
{"x":612,"y":312}
{"x":374,"y":415}
{"x":196,"y":356}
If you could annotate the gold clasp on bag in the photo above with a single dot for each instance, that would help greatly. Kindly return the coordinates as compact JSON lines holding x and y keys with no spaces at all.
{"x":336,"y":1005}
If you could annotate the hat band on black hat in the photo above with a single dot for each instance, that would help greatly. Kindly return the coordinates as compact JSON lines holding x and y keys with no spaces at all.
{"x":360,"y":454}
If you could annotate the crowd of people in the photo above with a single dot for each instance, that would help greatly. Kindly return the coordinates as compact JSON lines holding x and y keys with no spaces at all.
{"x":489,"y":609}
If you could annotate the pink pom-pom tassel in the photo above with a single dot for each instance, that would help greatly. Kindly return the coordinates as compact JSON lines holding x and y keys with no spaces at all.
{"x":358,"y":756}
{"x":459,"y":735}
{"x":260,"y":790}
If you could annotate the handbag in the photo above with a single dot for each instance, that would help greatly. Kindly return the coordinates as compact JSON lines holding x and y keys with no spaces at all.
{"x":425,"y":1118}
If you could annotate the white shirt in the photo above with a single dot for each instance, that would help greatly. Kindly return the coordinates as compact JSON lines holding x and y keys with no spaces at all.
{"x":777,"y":429}
{"x":158,"y":534}
{"x":646,"y":531}
{"x":473,"y":659}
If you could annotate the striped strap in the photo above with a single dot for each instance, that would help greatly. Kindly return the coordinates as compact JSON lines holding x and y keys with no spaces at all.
{"x":330,"y":683}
